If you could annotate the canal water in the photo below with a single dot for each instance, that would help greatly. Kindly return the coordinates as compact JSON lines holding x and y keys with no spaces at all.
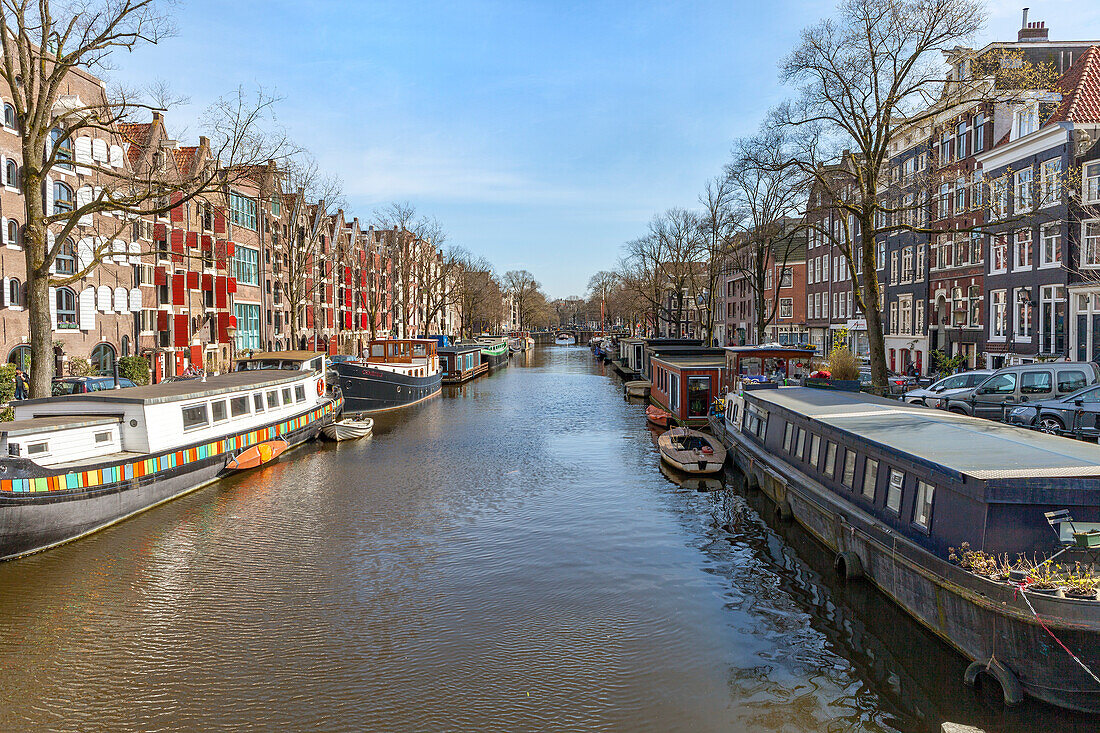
{"x":508,"y":557}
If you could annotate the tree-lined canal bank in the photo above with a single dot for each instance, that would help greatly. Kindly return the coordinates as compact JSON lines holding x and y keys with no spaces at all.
{"x":505,"y":557}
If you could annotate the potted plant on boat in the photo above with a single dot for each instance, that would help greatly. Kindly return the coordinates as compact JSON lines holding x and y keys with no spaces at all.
{"x":842,"y":370}
{"x":1046,"y":579}
{"x":1081,"y":584}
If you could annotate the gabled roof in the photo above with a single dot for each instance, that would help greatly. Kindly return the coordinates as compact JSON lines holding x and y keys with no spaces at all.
{"x":1080,"y":87}
{"x":137,"y":134}
{"x":185,"y":159}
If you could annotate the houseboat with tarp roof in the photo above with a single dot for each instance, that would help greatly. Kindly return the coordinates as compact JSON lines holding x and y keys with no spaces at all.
{"x":898,"y":493}
{"x":391,"y":373}
{"x":461,"y":363}
{"x":76,"y":463}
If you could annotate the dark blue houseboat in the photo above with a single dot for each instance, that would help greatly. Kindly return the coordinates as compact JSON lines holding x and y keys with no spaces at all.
{"x":461,"y":363}
{"x":892,"y":488}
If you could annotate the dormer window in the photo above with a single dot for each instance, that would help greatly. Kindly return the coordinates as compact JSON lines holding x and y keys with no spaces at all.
{"x":1025,"y":120}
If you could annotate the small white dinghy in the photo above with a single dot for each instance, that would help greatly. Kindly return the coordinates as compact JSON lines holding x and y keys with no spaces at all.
{"x":348,"y":429}
{"x":692,"y":451}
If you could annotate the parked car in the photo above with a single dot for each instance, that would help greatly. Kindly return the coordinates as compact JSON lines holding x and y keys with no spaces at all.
{"x":1025,"y":383}
{"x":894,"y":382}
{"x":946,"y":387}
{"x":1077,"y":414}
{"x":80,"y":385}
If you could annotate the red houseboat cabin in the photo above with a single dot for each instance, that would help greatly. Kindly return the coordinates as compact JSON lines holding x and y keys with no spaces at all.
{"x":686,"y":384}
{"x":766,"y":362}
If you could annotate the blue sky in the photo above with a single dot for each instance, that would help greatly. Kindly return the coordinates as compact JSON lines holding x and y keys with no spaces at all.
{"x":542,"y":134}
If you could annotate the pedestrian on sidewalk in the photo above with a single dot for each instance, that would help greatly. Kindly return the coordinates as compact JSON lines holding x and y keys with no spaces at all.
{"x":22,"y":387}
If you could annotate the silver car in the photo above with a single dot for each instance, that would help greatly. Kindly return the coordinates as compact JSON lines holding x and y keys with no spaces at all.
{"x":946,"y":387}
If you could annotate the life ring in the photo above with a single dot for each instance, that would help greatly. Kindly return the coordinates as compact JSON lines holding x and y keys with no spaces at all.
{"x":321,"y":387}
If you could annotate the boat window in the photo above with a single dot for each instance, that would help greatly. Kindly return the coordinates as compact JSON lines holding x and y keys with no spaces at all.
{"x":273,"y":399}
{"x":893,"y":491}
{"x":815,"y":445}
{"x":37,"y":449}
{"x":830,"y":459}
{"x":922,"y":511}
{"x":698,"y":393}
{"x":239,"y":406}
{"x":870,"y":477}
{"x":195,"y":416}
{"x":287,"y":399}
{"x":377,"y":349}
{"x":787,"y":437}
{"x":104,"y":437}
{"x":801,"y":442}
{"x":258,"y":401}
{"x":299,"y":393}
{"x":756,"y":420}
{"x":218,"y":410}
{"x":1071,"y":380}
{"x":1036,"y":383}
{"x":849,"y":469}
{"x":317,"y":364}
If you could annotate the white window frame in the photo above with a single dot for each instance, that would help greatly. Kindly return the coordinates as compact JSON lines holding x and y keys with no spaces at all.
{"x":1017,"y":241}
{"x":1046,"y":240}
{"x":1021,"y":191}
{"x":998,"y":315}
{"x":1090,"y":182}
{"x":1090,"y":244}
{"x":1022,"y":327}
{"x":1050,"y":181}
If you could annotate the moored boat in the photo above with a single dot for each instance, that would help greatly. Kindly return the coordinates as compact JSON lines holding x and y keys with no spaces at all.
{"x":348,"y":429}
{"x":461,"y":363}
{"x":494,"y":351}
{"x":692,"y":451}
{"x":565,"y":339}
{"x":657,"y":416}
{"x":392,"y":373}
{"x":900,"y":493}
{"x":77,"y":463}
{"x":637,"y":388}
{"x":519,"y":341}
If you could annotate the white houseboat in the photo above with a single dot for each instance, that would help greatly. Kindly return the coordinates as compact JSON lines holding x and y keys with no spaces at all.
{"x":72,"y":465}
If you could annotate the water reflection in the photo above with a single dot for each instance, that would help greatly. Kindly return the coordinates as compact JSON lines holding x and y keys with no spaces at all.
{"x":506,"y":557}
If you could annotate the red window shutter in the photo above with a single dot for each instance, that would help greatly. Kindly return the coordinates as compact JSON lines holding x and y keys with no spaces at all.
{"x":160,"y":277}
{"x":176,"y":212}
{"x":160,"y":232}
{"x":219,"y":220}
{"x":192,"y":281}
{"x":363,"y":277}
{"x":207,"y":282}
{"x":220,"y":248}
{"x":328,"y":317}
{"x":183,"y":333}
{"x":177,"y":246}
{"x":230,"y":248}
{"x":219,"y":292}
{"x":309,"y":316}
{"x":231,"y":285}
{"x":162,"y":320}
{"x":178,"y":289}
{"x":193,"y":240}
{"x":207,"y":242}
{"x":363,"y":323}
{"x":222,"y":322}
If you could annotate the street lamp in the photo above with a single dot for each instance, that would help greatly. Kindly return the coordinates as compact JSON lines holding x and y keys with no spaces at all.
{"x":231,"y":332}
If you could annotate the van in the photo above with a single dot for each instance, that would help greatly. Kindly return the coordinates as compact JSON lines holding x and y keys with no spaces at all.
{"x":1021,"y":384}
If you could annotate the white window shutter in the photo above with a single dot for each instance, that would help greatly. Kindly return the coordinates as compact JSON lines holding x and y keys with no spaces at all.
{"x":53,"y":308}
{"x":135,"y":253}
{"x":118,"y":157}
{"x":105,"y":298}
{"x":7,"y":291}
{"x":4,"y":230}
{"x":118,"y":247}
{"x":86,"y":309}
{"x":50,"y":240}
{"x":49,"y":195}
{"x":121,"y":298}
{"x":85,"y":253}
{"x":99,"y":150}
{"x":83,"y":198}
{"x":84,"y":150}
{"x":135,"y":300}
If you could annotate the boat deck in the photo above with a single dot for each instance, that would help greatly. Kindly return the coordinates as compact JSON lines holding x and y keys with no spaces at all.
{"x":184,"y":388}
{"x":966,"y":445}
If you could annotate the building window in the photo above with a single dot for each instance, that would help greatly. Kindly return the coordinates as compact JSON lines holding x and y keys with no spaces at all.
{"x":979,"y":133}
{"x":1022,"y":317}
{"x":975,"y":300}
{"x":63,"y":149}
{"x":922,"y":509}
{"x":248,"y":325}
{"x":1022,"y":251}
{"x":11,"y":173}
{"x":65,"y":264}
{"x":1022,"y":191}
{"x":1052,"y":319}
{"x":65,"y":299}
{"x":1050,"y":252}
{"x":786,"y":307}
{"x":21,"y":357}
{"x":242,"y":210}
{"x":870,"y":478}
{"x":1051,"y":181}
{"x":246,"y":266}
{"x":787,"y":279}
{"x":13,"y":232}
{"x":103,"y":359}
{"x":9,"y":116}
{"x":998,"y":197}
{"x":1025,"y":120}
{"x":62,"y":198}
{"x":14,"y":292}
{"x":998,"y":253}
{"x":1091,"y":178}
{"x":998,"y":315}
{"x":960,"y":140}
{"x":1090,"y":243}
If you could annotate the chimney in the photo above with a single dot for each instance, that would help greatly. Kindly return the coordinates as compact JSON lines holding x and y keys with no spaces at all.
{"x":204,"y":141}
{"x":1023,"y":23}
{"x":1032,"y":32}
{"x":156,"y":116}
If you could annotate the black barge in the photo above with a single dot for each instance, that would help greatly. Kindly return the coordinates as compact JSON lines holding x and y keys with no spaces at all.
{"x":890,"y":489}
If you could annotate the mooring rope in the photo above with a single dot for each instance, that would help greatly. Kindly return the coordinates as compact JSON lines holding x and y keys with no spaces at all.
{"x":1020,"y":589}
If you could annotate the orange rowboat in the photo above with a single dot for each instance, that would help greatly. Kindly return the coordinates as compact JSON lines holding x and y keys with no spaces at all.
{"x":257,"y":455}
{"x":657,"y":416}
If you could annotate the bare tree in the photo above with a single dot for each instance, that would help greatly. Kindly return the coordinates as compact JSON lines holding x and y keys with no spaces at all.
{"x":602,"y":287}
{"x":522,"y":285}
{"x":477,"y":293}
{"x":859,"y":76}
{"x":43,"y":51}
{"x":717,"y":224}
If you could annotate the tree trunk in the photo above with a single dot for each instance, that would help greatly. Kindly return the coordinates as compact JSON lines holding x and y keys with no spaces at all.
{"x":41,"y":330}
{"x":876,"y":339}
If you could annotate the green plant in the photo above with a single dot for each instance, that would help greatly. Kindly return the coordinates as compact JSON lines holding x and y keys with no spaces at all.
{"x":944,"y":363}
{"x":7,"y":390}
{"x":79,"y":367}
{"x":134,"y":368}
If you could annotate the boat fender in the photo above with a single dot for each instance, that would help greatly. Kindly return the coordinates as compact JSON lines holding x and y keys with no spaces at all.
{"x":783,"y":510}
{"x":1011,"y":690}
{"x":848,"y":566}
